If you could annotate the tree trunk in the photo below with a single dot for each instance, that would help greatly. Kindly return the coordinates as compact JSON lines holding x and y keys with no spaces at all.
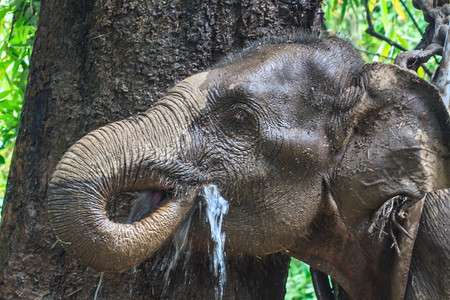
{"x":95,"y":62}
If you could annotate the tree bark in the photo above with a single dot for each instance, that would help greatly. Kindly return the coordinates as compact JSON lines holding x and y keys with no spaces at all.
{"x":96,"y":62}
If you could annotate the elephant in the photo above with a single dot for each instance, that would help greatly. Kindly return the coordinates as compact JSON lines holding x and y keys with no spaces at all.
{"x":320,"y":156}
{"x":432,"y":250}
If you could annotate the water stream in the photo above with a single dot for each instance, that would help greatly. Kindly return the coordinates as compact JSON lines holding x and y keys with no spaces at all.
{"x":216,"y":208}
{"x":99,"y":285}
{"x":180,"y":241}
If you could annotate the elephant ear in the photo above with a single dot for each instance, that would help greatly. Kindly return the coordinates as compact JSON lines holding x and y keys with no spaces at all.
{"x":396,"y":150}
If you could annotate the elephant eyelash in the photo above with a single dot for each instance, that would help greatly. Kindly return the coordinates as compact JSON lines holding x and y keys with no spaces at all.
{"x":241,"y":111}
{"x":239,"y":116}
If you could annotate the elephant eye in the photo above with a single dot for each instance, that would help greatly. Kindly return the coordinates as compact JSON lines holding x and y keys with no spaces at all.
{"x":241,"y":120}
{"x":241,"y":113}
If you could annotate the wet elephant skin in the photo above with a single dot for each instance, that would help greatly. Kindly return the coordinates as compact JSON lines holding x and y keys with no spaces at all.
{"x":319,"y":155}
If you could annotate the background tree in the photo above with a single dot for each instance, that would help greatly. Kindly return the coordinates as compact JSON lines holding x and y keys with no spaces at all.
{"x":18,"y":21}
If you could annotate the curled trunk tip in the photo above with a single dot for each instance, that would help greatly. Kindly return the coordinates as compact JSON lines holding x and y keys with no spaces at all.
{"x":85,"y":179}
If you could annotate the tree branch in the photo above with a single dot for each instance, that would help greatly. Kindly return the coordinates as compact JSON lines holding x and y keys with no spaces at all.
{"x":433,"y":40}
{"x":442,"y":78}
{"x":408,"y":59}
{"x":425,"y":8}
{"x":374,"y":54}
{"x":370,"y":30}
{"x":412,"y":59}
{"x":411,"y":16}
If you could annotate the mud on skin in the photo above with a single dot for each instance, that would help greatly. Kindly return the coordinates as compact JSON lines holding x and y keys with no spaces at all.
{"x":304,"y":141}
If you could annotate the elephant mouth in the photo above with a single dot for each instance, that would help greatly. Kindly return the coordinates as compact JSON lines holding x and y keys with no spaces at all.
{"x":150,"y":201}
{"x":154,"y":197}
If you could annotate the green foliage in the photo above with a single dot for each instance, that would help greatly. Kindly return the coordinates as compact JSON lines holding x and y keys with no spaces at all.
{"x":18,"y":21}
{"x":299,"y":285}
{"x":390,"y":18}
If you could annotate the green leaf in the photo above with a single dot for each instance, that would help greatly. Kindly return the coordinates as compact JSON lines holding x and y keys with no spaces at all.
{"x":2,"y":160}
{"x":371,"y":5}
{"x":398,"y":8}
{"x":344,"y":6}
{"x":384,"y":13}
{"x":421,"y":72}
{"x":352,"y":6}
{"x":5,"y":93}
{"x":334,"y":4}
{"x":3,"y":12}
{"x":402,"y":41}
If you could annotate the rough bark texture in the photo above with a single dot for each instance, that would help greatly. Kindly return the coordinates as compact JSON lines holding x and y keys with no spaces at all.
{"x":95,"y":62}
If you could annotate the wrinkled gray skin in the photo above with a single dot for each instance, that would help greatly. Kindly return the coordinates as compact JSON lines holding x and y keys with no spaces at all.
{"x":304,"y":141}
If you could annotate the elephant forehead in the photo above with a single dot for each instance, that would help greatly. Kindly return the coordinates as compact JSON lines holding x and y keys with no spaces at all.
{"x":194,"y":85}
{"x":263,"y":63}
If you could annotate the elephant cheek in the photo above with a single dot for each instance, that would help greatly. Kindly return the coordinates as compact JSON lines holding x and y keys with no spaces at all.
{"x":301,"y":152}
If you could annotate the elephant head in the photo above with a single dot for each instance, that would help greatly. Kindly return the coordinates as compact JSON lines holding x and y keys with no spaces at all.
{"x":306,"y":143}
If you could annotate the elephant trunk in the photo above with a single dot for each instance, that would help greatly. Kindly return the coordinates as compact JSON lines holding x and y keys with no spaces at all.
{"x":123,"y":156}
